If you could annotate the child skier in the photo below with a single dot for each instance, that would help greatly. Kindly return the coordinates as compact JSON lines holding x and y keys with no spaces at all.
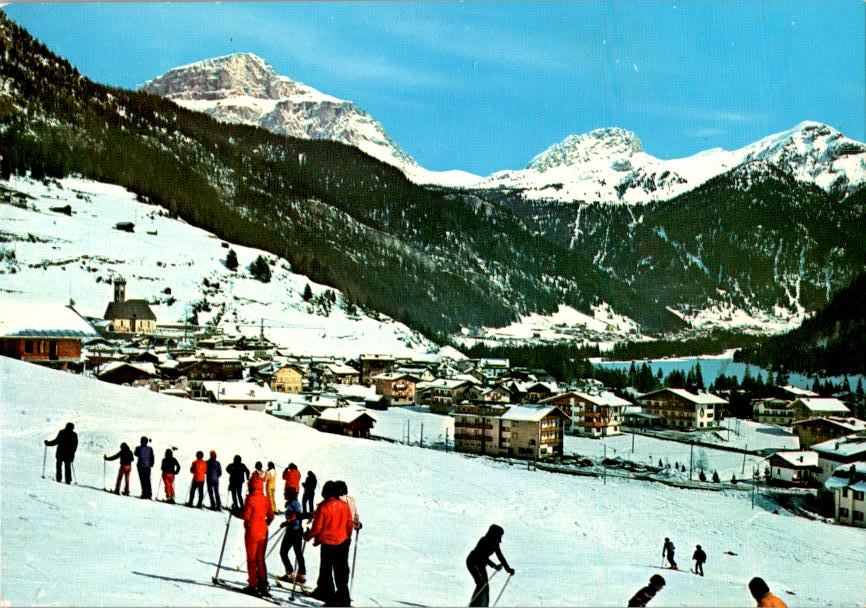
{"x":126,"y":457}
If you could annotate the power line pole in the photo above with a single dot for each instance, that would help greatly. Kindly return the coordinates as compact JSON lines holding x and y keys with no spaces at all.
{"x":691,"y":458}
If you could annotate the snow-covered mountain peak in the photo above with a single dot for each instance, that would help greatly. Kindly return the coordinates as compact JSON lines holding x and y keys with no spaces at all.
{"x":244,"y":88}
{"x":610,"y":143}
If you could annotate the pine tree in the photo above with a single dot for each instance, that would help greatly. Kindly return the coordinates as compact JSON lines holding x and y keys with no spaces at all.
{"x":260,"y":270}
{"x":232,"y":260}
{"x":308,"y":293}
{"x":699,"y":376}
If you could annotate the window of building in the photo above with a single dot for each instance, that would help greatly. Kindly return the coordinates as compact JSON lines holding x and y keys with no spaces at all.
{"x":28,"y":347}
{"x":858,"y":495}
{"x":843,"y":512}
{"x":858,"y":515}
{"x":844,"y":492}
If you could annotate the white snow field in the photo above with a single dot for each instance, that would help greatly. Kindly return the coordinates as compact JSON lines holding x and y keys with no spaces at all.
{"x":59,"y":257}
{"x":572,"y":540}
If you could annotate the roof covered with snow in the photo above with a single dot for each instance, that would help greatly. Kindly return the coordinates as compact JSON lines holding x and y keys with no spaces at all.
{"x":341,"y":370}
{"x":347,"y":414}
{"x":238,"y":391}
{"x":31,"y":319}
{"x":526,"y":413}
{"x":844,"y":446}
{"x":823,"y":404}
{"x":699,"y":398}
{"x":800,"y":459}
{"x":799,"y":392}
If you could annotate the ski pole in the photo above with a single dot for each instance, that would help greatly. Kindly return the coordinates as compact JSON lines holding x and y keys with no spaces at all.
{"x":354,"y":556}
{"x":158,"y":487}
{"x":271,"y":550}
{"x":220,"y":562}
{"x":483,"y":587}
{"x":297,"y":561}
{"x":103,"y":474}
{"x":44,"y":458}
{"x":74,"y":476}
{"x":503,"y":590}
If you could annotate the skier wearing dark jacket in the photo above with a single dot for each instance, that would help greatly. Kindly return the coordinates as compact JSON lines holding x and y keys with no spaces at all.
{"x":66,"y":442}
{"x":238,"y":474}
{"x":170,"y":467}
{"x":214,"y":472}
{"x":309,"y":492}
{"x":700,"y":557}
{"x":668,"y":549}
{"x":126,"y":457}
{"x":479,"y":559}
{"x":145,"y":463}
{"x":642,"y":597}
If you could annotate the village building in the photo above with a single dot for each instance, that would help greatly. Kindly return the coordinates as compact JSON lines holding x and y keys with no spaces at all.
{"x":209,"y":368}
{"x":287,"y":379}
{"x":372,"y":365}
{"x":794,"y":392}
{"x":301,"y":412}
{"x":635,"y":418}
{"x":493,"y":369}
{"x":773,"y":411}
{"x":422,"y":374}
{"x":793,"y":468}
{"x":488,"y":394}
{"x":352,"y":421}
{"x":123,"y":372}
{"x":335,"y":373}
{"x":128,"y":316}
{"x":848,"y":484}
{"x":47,"y":334}
{"x":441,"y":394}
{"x":243,"y":395}
{"x":597,"y":414}
{"x":837,"y":452}
{"x":398,"y":389}
{"x":514,"y":431}
{"x":681,"y":408}
{"x":811,"y":407}
{"x":818,"y":430}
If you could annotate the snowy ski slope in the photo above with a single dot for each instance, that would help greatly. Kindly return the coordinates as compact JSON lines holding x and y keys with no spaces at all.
{"x":572,"y":540}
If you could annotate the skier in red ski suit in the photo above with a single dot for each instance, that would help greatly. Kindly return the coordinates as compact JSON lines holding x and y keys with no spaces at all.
{"x":257,"y":516}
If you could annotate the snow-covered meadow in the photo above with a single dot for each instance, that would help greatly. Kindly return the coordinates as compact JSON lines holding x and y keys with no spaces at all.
{"x":46,"y":256}
{"x":572,"y":540}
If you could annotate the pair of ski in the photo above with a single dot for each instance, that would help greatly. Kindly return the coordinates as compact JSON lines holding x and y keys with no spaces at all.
{"x":302,"y":594}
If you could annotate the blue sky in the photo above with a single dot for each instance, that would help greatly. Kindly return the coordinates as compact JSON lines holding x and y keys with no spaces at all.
{"x":487,"y":86}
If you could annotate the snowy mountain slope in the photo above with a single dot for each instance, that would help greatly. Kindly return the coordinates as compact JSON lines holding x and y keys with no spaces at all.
{"x":243,"y":88}
{"x":50,"y":256}
{"x":572,"y":540}
{"x":610,"y":165}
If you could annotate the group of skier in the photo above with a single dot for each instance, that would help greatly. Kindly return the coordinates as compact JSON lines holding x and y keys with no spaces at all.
{"x":333,"y":521}
{"x":698,"y":556}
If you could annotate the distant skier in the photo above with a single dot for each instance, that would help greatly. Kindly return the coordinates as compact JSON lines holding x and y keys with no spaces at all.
{"x":700,"y":557}
{"x":238,"y":474}
{"x":66,"y":442}
{"x":292,"y":477}
{"x":309,"y":492}
{"x":271,"y":485}
{"x":126,"y":457}
{"x":199,"y":473}
{"x":214,"y":472}
{"x":257,"y":515}
{"x":479,"y":559}
{"x":332,"y":528}
{"x":145,"y":463}
{"x":668,"y":549}
{"x":645,"y":594}
{"x":762,"y":594}
{"x":169,"y":467}
{"x":292,"y":540}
